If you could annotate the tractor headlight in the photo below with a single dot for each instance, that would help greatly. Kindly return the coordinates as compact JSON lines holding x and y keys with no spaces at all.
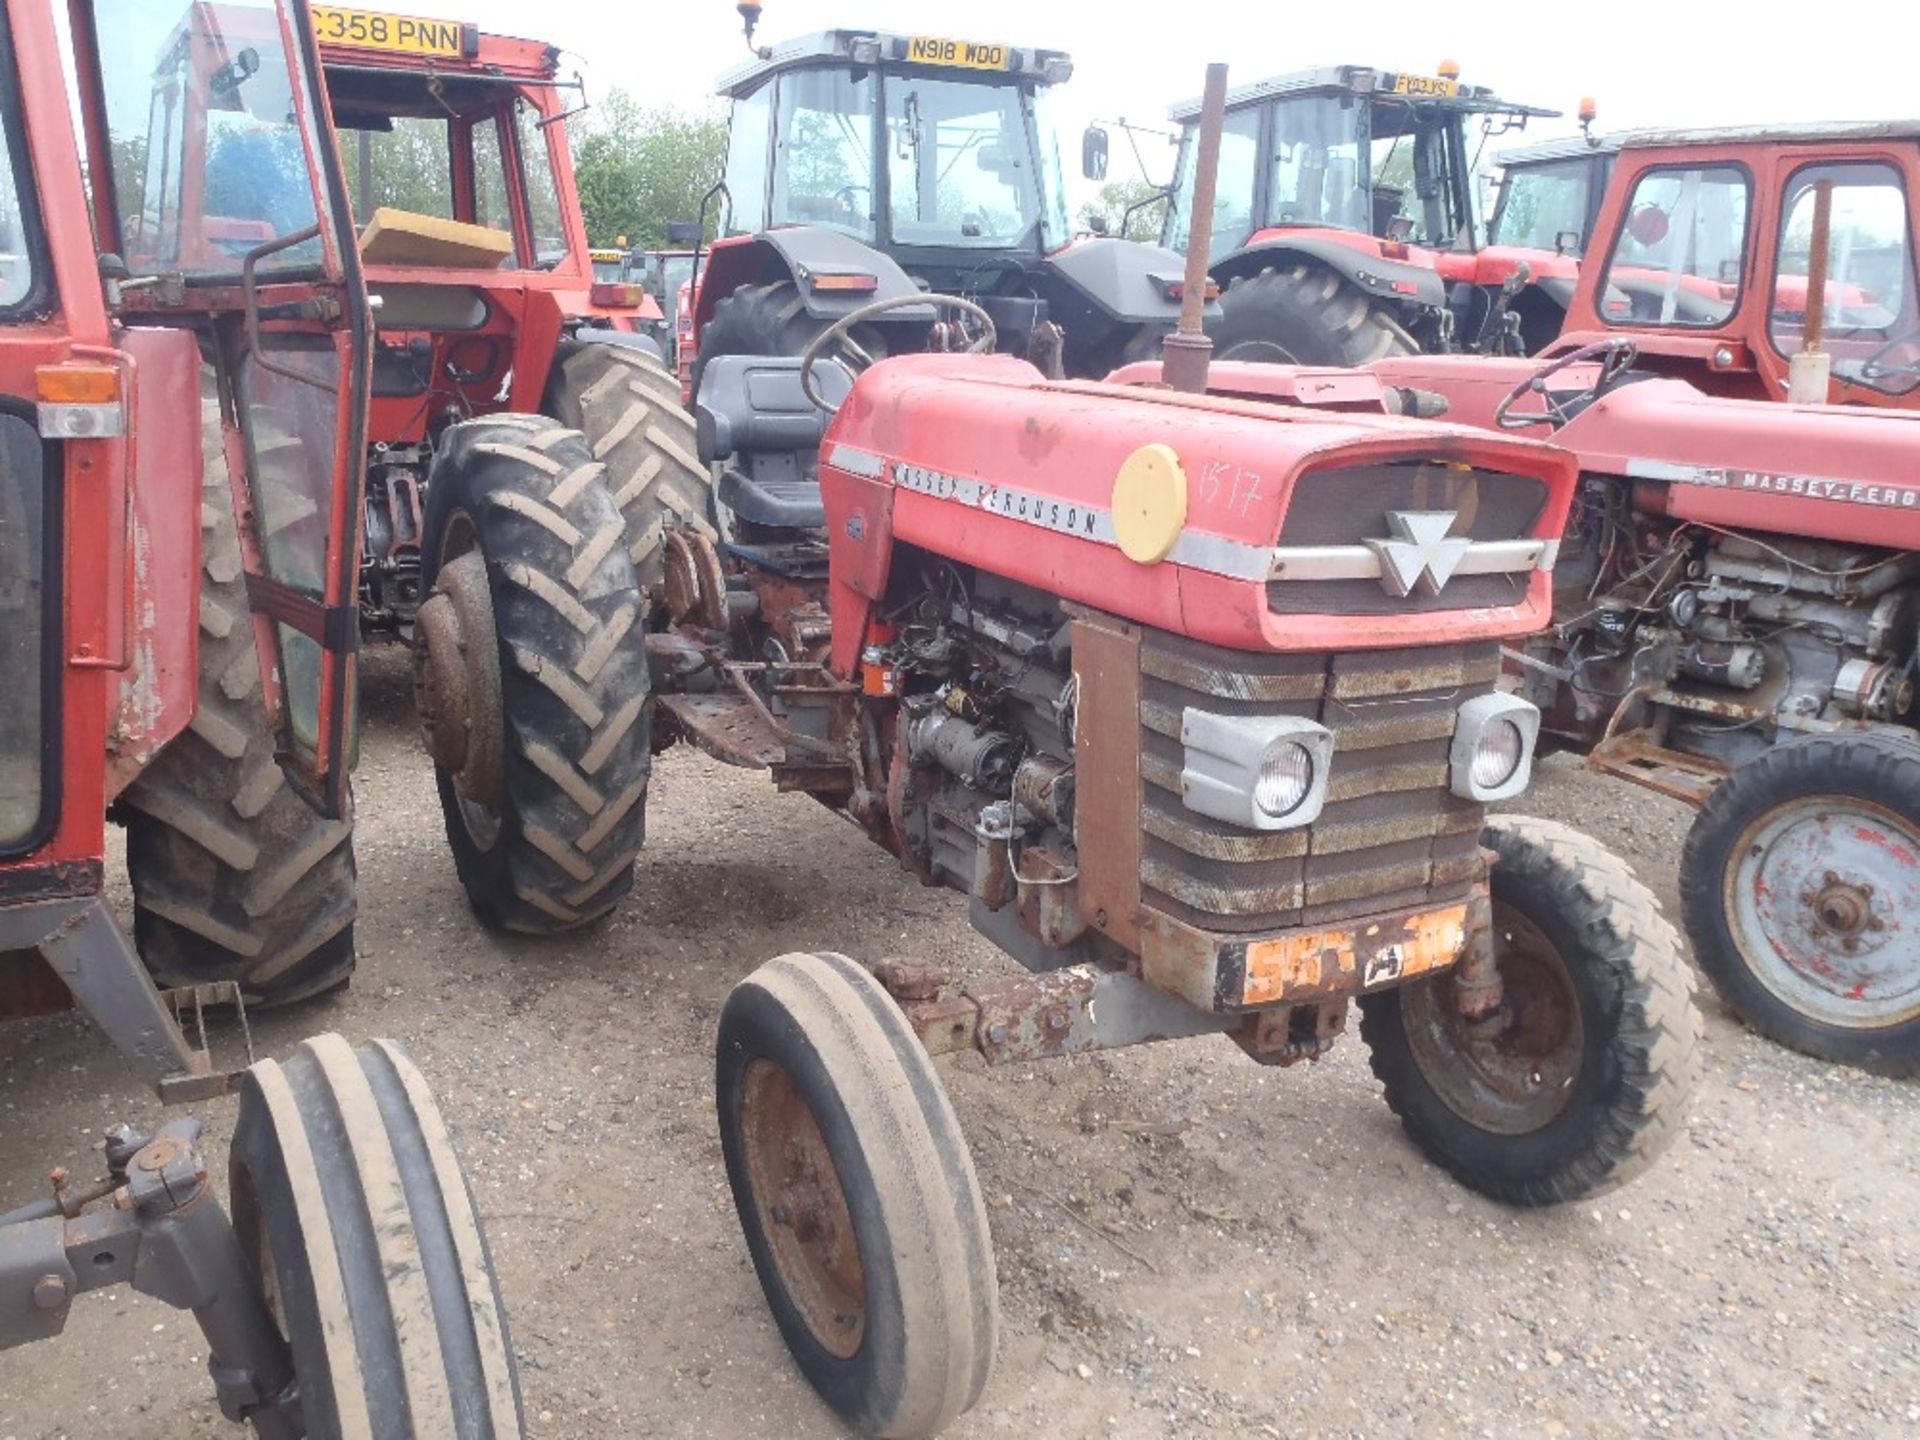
{"x":1263,"y":772}
{"x":1493,"y":742}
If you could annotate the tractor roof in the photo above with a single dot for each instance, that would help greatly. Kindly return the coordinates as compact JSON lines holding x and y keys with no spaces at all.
{"x":1364,"y":80}
{"x":873,"y":47}
{"x":1807,"y":134}
{"x":1566,"y":147}
{"x":440,"y":47}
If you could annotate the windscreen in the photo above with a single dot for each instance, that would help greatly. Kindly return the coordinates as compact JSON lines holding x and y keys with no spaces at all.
{"x":1545,"y":206}
{"x":960,"y":166}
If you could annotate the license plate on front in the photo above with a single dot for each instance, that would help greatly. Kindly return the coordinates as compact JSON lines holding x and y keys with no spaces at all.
{"x":408,"y":34}
{"x":967,"y":55}
{"x":1424,"y":85}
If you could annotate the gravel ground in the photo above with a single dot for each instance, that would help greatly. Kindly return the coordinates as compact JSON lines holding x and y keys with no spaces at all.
{"x":1262,"y":1254}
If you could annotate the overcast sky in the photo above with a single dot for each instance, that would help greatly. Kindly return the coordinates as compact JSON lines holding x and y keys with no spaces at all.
{"x":1680,"y":62}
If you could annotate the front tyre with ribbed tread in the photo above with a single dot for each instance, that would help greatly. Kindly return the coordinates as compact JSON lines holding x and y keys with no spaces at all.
{"x":532,"y":590}
{"x":1303,"y":313}
{"x":1582,"y":1077}
{"x":856,"y":1195}
{"x":349,"y":1199}
{"x":235,"y":877}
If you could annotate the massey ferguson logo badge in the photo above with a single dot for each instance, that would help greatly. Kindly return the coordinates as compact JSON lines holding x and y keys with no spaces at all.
{"x":1420,"y":556}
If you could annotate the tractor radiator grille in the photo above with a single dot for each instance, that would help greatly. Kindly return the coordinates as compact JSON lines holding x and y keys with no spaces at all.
{"x":1392,"y":834}
{"x":1349,"y":507}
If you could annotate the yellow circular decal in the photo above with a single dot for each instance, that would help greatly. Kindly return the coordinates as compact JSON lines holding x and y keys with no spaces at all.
{"x":1149,"y":503}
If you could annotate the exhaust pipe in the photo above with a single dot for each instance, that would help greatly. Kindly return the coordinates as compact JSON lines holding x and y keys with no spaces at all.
{"x":1187,"y":353}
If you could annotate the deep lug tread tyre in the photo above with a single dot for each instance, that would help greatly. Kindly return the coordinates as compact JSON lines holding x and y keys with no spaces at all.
{"x":1304,"y":314}
{"x":349,"y":1197}
{"x":628,"y":406}
{"x":1880,"y":769}
{"x":773,"y":320}
{"x":1638,"y":1022}
{"x":235,"y":877}
{"x":931,"y":1307}
{"x":570,"y":623}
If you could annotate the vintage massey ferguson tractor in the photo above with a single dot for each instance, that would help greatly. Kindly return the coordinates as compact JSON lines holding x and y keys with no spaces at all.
{"x":1737,"y":601}
{"x":865,"y":166}
{"x":182,"y":399}
{"x":490,"y":331}
{"x":1346,"y":218}
{"x":1195,"y":699}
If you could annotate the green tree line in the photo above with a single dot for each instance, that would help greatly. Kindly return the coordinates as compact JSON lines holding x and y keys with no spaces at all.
{"x":639,"y":168}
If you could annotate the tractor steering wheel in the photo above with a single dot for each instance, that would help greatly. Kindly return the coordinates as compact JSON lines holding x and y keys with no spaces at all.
{"x":837,"y":333}
{"x":1878,"y":367}
{"x":1616,"y":357}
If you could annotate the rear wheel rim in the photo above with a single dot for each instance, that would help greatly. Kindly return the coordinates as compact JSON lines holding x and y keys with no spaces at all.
{"x":802,"y":1209}
{"x":1820,"y":896}
{"x":1513,"y":1073}
{"x":1258,"y":352}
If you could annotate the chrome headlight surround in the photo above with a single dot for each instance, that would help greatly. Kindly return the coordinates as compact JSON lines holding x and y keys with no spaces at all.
{"x":1474,"y":726}
{"x":1224,"y":756}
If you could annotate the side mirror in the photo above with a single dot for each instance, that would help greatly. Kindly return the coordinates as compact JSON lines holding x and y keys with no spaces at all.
{"x":1097,"y":224}
{"x":1093,"y":153}
{"x":683,"y":232}
{"x":1567,"y":242}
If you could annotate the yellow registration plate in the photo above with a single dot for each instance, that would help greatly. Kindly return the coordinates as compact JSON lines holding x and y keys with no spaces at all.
{"x":968,"y":55}
{"x":409,"y":34}
{"x":1424,"y":85}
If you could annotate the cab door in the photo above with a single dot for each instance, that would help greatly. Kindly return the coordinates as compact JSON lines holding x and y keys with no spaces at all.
{"x":227,"y":212}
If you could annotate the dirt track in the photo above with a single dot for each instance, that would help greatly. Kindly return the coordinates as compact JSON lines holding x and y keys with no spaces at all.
{"x":1262,"y":1255}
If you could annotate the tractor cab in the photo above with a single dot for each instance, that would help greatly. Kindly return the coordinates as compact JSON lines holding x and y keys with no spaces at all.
{"x":863,"y":165}
{"x":1711,"y":245}
{"x":1366,"y":177}
{"x":1549,"y":194}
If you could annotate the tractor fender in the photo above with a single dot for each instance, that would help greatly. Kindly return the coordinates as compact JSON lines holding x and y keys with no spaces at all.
{"x":626,"y":339}
{"x":1125,"y":280}
{"x":799,"y":253}
{"x":1371,"y":274}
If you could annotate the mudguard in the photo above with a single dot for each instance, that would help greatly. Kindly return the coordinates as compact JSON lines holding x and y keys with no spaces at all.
{"x":626,"y":339}
{"x":1373,"y":273}
{"x":799,"y":253}
{"x":1124,"y":279}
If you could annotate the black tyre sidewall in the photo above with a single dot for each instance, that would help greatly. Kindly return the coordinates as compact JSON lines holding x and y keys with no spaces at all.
{"x":1274,"y":306}
{"x":755,"y":1026}
{"x":748,"y":322}
{"x":1864,"y":767}
{"x":1550,"y":898}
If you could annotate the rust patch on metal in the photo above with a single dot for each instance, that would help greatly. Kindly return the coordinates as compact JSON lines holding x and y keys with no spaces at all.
{"x":1636,"y":757}
{"x":1106,"y":752}
{"x":1365,"y":957}
{"x":911,"y":979}
{"x":725,"y":727}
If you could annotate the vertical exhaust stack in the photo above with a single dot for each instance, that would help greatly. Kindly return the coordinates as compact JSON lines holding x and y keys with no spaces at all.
{"x":1187,"y":353}
{"x":1808,"y":372}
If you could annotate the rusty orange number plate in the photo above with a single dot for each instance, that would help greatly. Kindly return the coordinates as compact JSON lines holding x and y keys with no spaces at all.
{"x":1367,"y":957}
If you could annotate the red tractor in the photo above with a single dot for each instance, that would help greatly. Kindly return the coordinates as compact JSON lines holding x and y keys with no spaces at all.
{"x":499,"y":362}
{"x":1346,"y":219}
{"x":1174,"y":689}
{"x":183,"y":370}
{"x":1703,"y":253}
{"x":864,"y":167}
{"x":1736,"y":624}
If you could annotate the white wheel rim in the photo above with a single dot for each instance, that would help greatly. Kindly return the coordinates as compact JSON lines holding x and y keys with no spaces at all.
{"x":1823,"y":903}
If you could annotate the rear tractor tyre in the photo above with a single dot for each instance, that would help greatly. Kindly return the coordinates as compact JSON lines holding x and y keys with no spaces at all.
{"x":235,"y":877}
{"x":856,"y":1195}
{"x":1582,"y":1077}
{"x":531,"y":674}
{"x":1303,"y":314}
{"x":349,"y":1200}
{"x":773,"y":320}
{"x":1800,"y":888}
{"x":628,"y":406}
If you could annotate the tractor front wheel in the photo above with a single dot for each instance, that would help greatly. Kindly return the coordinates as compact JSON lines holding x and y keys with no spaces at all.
{"x":1581,"y":1077}
{"x":1800,"y":887}
{"x":531,"y":674}
{"x":1303,"y":313}
{"x":857,"y":1195}
{"x":349,"y":1201}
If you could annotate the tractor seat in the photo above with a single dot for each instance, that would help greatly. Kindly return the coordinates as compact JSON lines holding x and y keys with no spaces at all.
{"x":755,"y":421}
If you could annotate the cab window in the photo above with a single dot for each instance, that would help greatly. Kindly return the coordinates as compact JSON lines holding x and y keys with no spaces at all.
{"x":1870,"y":330}
{"x":1678,"y":260}
{"x":1545,"y":206}
{"x":403,"y":163}
{"x":1235,"y":185}
{"x":824,"y":175}
{"x":749,"y":139}
{"x":543,"y":191}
